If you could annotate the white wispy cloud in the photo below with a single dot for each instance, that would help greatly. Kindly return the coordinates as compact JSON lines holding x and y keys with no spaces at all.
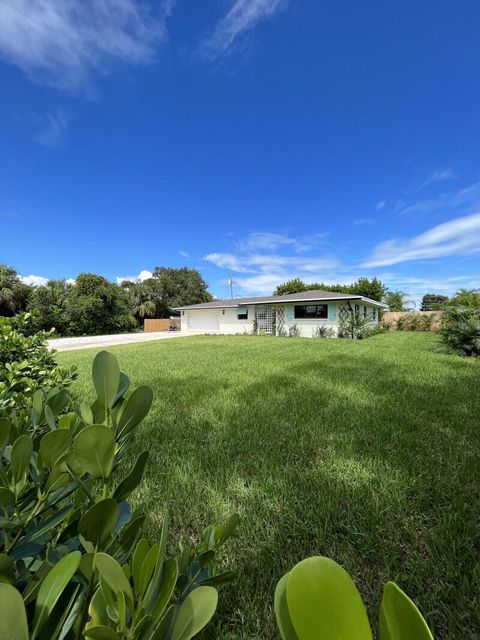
{"x":54,"y":130}
{"x":439,"y":175}
{"x":262,"y":260}
{"x":467,"y":199}
{"x":59,"y":42}
{"x":185,"y":254}
{"x":242,"y":17}
{"x":460,"y":236}
{"x":266,"y":241}
{"x":36,"y":281}
{"x":145,"y":274}
{"x":380,"y":205}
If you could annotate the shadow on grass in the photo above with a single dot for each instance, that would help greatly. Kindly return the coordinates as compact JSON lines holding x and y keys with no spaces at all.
{"x":369,"y":461}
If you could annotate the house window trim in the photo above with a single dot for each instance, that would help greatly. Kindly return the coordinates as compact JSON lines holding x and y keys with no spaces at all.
{"x":242,"y":313}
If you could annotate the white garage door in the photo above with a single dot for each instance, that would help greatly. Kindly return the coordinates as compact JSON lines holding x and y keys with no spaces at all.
{"x":204,"y":322}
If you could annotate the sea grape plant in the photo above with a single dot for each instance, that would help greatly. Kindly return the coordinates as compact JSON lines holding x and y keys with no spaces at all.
{"x":74,"y":559}
{"x":318,"y":599}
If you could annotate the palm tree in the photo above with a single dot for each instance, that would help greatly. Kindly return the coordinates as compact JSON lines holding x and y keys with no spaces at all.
{"x":398,"y":301}
{"x":14,"y":293}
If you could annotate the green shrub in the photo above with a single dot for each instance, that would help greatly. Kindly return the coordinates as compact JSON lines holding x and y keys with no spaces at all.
{"x":426,"y":322}
{"x":353,"y":326}
{"x":294,"y":331}
{"x":74,"y":561}
{"x":461,"y":330}
{"x":375,"y":331}
{"x":318,"y":599}
{"x":322,"y":331}
{"x":26,"y":365}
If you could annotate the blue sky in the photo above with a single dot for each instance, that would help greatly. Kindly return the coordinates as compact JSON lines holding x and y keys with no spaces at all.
{"x":269,"y":138}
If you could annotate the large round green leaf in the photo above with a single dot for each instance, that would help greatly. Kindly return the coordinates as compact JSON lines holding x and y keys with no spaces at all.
{"x":53,"y":445}
{"x":20,"y":457}
{"x":13,"y":619}
{"x":106,"y":377}
{"x":282,"y":614}
{"x":52,"y":588}
{"x":95,"y":450}
{"x":135,"y":409}
{"x":195,"y":613}
{"x":98,"y":522}
{"x":323,"y":602}
{"x":113,"y":575}
{"x":131,"y":482}
{"x":399,"y":617}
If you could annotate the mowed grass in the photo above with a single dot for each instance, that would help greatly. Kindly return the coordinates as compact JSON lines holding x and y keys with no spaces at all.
{"x":367,"y":452}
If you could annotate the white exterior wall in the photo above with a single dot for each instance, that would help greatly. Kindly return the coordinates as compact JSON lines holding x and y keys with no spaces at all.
{"x":229,"y":324}
{"x":228,"y":321}
{"x":307,"y":326}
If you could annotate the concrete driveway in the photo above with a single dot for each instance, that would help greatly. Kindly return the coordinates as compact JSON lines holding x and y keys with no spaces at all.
{"x":91,"y":342}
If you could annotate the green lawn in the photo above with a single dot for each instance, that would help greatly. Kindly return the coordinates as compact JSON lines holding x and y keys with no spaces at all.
{"x":366,"y":451}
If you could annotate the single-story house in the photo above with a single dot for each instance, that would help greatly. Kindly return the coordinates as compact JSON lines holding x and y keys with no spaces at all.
{"x":277,"y":314}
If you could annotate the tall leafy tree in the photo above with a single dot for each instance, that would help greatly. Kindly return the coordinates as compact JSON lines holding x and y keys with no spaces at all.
{"x":49,"y":306}
{"x":14,"y":293}
{"x":180,"y":287}
{"x":373,"y":289}
{"x":432,"y":301}
{"x":95,"y":306}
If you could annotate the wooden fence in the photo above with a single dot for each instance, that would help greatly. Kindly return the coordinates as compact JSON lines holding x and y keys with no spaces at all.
{"x":413,"y":320}
{"x":153,"y":325}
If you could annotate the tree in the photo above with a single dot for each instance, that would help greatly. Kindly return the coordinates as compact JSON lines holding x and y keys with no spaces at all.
{"x":432,"y":301}
{"x":145,"y":299}
{"x":373,"y":289}
{"x":48,"y":306}
{"x":397,"y":301}
{"x":14,"y":293}
{"x":95,"y":306}
{"x":466,"y":298}
{"x":291,"y":286}
{"x":179,"y":287}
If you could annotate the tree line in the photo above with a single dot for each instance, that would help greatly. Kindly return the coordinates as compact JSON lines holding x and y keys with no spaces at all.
{"x":92,"y":305}
{"x":375,"y":289}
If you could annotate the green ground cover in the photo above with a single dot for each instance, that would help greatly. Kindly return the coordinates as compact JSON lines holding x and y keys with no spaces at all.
{"x":368,"y":452}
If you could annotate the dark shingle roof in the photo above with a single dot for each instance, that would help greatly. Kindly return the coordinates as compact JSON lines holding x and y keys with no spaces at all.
{"x":311,"y":295}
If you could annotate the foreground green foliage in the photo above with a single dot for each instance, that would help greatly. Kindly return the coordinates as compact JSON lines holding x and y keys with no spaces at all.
{"x":365,"y":451}
{"x":318,"y":599}
{"x":26,"y":365}
{"x":74,"y":559}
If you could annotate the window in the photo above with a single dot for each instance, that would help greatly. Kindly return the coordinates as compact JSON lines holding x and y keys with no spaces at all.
{"x":311,"y":311}
{"x":357,"y":309}
{"x":374,"y":314}
{"x":242,"y":314}
{"x":365,"y":312}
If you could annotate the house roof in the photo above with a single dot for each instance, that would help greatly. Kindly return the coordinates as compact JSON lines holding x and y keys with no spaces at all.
{"x":315,"y":295}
